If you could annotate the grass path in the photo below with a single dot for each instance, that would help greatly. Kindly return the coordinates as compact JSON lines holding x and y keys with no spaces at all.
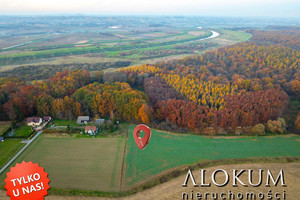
{"x":116,"y":163}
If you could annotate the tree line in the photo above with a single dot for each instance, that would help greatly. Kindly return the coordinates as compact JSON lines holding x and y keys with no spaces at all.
{"x":70,"y":94}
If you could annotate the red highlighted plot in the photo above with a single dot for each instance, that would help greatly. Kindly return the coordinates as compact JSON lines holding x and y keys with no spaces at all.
{"x":27,"y":181}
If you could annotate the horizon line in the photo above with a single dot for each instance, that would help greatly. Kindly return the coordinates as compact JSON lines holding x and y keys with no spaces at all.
{"x":143,"y":15}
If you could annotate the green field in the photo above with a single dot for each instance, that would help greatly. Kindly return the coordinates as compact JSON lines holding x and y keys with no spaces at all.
{"x":110,"y":50}
{"x":78,"y":163}
{"x":166,"y":151}
{"x":237,"y":36}
{"x":61,"y":122}
{"x":8,"y":149}
{"x":4,"y":126}
{"x":57,"y":52}
{"x":23,"y":131}
{"x":96,"y":163}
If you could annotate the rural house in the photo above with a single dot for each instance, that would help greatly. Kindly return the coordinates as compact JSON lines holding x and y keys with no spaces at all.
{"x":46,"y":118}
{"x":100,"y":121}
{"x":83,"y":119}
{"x":34,"y":121}
{"x":91,"y":130}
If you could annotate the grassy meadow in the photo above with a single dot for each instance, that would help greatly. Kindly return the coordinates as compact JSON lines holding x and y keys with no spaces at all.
{"x":8,"y":149}
{"x":4,"y":126}
{"x":166,"y":151}
{"x":23,"y":131}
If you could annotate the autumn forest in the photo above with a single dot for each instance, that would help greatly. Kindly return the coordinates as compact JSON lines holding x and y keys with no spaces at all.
{"x":245,"y":87}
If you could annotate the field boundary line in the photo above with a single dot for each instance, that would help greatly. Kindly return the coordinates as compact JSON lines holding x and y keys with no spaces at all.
{"x":122,"y":177}
{"x":19,"y":153}
{"x":113,"y":176}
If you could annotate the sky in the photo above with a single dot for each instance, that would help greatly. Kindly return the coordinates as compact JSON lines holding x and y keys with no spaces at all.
{"x":268,"y":8}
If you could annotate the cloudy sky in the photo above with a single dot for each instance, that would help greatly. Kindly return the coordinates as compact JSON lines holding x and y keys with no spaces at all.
{"x":271,"y":8}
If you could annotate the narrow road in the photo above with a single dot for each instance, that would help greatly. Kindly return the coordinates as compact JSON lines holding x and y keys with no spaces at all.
{"x":17,"y":45}
{"x":19,"y":153}
{"x":29,"y":42}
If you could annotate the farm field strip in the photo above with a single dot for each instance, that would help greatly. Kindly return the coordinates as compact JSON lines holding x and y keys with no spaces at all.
{"x":92,"y":49}
{"x":166,"y":151}
{"x":104,"y":42}
{"x":80,"y":163}
{"x":91,"y":54}
{"x":97,"y":162}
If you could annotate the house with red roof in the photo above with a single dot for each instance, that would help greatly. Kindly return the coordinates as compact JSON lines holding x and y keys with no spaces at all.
{"x":91,"y":130}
